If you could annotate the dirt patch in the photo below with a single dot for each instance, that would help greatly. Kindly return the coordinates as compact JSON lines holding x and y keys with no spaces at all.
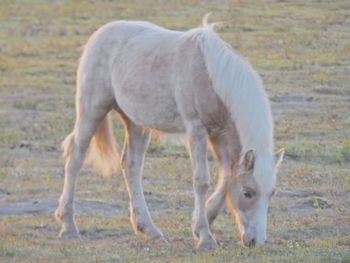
{"x":300,"y":208}
{"x":30,"y":207}
{"x":314,"y":201}
{"x":297,"y":193}
{"x":286,"y":102}
{"x":333,"y":91}
{"x":3,"y":194}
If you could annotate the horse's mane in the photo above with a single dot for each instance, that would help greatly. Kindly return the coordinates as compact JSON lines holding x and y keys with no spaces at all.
{"x":239,"y":87}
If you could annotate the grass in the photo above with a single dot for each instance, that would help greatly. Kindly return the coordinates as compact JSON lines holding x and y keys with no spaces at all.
{"x":300,"y":48}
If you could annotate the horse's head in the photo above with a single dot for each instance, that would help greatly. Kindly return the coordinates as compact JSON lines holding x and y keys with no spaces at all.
{"x":249,"y":193}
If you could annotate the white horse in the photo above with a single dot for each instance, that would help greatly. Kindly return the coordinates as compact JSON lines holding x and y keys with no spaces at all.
{"x":177,"y":82}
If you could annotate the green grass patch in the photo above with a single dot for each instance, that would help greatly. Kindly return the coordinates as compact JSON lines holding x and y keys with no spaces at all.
{"x":300,"y":48}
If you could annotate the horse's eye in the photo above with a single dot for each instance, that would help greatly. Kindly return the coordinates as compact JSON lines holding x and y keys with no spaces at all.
{"x":248,"y":195}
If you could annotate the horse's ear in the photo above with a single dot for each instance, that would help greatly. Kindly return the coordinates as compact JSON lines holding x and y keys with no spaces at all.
{"x":279,"y":157}
{"x":249,"y":160}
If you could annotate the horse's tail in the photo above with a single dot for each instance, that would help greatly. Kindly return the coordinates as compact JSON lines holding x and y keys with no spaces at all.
{"x":103,"y":154}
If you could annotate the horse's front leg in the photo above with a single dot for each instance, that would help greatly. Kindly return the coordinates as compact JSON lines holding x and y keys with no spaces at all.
{"x":135,"y":146}
{"x":225,"y":155}
{"x":198,"y":138}
{"x":216,"y":201}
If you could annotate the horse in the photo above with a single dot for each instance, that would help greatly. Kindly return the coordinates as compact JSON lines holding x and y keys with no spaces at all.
{"x":189,"y":82}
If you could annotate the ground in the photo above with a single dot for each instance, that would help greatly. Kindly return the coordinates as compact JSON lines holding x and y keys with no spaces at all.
{"x":302,"y":51}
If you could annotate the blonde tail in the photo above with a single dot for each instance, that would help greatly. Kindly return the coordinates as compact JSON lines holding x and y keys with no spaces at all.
{"x":103,"y":153}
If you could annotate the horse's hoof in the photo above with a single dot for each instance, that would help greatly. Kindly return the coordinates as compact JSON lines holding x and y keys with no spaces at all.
{"x":69,"y":235}
{"x":160,"y":240}
{"x":206,"y":245}
{"x":195,"y":235}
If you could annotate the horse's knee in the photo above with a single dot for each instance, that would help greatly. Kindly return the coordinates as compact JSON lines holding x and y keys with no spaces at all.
{"x":201,"y":183}
{"x":73,"y":149}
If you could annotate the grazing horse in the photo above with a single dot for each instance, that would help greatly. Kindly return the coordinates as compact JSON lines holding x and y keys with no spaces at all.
{"x":177,"y":82}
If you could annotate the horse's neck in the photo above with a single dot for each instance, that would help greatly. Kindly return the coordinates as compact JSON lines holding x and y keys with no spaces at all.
{"x":227,"y":142}
{"x":234,"y":145}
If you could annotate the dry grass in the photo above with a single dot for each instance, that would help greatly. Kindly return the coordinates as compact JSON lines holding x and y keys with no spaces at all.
{"x":300,"y":48}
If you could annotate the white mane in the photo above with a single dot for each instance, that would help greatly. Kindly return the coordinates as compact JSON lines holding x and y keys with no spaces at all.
{"x":240,"y":88}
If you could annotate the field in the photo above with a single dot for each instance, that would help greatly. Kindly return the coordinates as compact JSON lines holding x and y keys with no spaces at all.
{"x":302,"y":51}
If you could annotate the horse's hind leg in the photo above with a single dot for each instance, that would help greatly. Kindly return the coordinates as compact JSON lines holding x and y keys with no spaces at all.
{"x":75,"y":146}
{"x":135,"y":146}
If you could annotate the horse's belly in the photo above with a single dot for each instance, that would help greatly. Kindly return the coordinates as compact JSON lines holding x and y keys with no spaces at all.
{"x":166,"y":122}
{"x":154,"y":111}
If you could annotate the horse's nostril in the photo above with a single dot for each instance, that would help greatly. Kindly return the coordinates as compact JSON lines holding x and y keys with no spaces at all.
{"x":252,"y":243}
